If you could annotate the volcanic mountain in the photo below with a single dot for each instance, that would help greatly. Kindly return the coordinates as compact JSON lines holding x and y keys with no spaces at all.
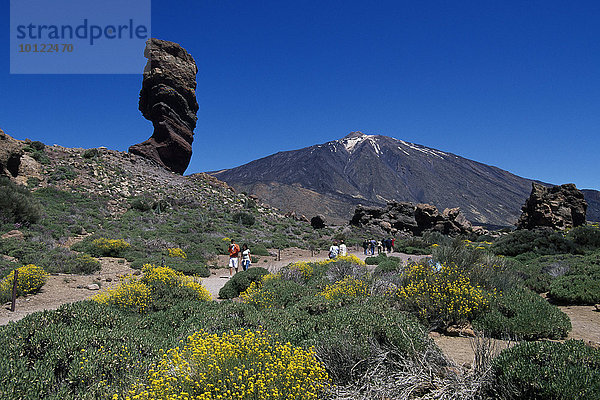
{"x":332,"y":178}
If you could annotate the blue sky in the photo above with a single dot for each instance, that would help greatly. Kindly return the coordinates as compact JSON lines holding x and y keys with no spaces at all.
{"x":515,"y":84}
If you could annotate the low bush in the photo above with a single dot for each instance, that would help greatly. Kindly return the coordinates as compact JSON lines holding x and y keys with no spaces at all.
{"x":17,"y":205}
{"x":442,"y":295}
{"x":30,"y":279}
{"x":109,"y":247}
{"x":548,"y":370}
{"x":523,"y":314}
{"x":62,"y":173}
{"x":576,"y":289}
{"x":259,"y":250}
{"x":391,"y":264}
{"x":244,"y":218}
{"x":241,"y":365}
{"x":90,"y":153}
{"x":586,"y":236}
{"x":241,"y":281}
{"x":535,"y":241}
{"x":376,"y":259}
{"x":130,"y":294}
{"x":348,"y":287}
{"x":414,"y":245}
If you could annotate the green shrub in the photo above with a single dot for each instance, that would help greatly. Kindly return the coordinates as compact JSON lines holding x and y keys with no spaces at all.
{"x":414,"y":245}
{"x":70,"y":263}
{"x":259,"y":249}
{"x":391,"y":264}
{"x":537,"y":241}
{"x":240,"y":282}
{"x":61,"y":173}
{"x":548,"y":370}
{"x":140,"y":204}
{"x":576,"y":289}
{"x":459,"y":252}
{"x":345,"y":336}
{"x":244,"y":218}
{"x":523,"y":314}
{"x":376,"y":260}
{"x":17,"y":205}
{"x":586,"y":236}
{"x":91,"y":153}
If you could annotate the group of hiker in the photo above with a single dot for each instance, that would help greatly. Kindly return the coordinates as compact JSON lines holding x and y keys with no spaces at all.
{"x":383,"y":245}
{"x":236,"y":255}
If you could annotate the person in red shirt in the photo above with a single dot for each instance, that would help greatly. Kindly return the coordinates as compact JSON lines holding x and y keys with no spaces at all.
{"x":234,"y":257}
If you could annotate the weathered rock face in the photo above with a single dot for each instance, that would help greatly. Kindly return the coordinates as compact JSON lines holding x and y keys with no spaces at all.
{"x":411,"y":218}
{"x":10,"y":155}
{"x":556,"y":207}
{"x":168,"y":99}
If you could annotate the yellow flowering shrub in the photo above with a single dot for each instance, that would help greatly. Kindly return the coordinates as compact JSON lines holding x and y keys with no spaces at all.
{"x":30,"y":279}
{"x":350,"y":258}
{"x":130,"y":294}
{"x":441,"y":293}
{"x":304,"y":268}
{"x":256,"y":296}
{"x":348,"y":287}
{"x":176,"y":252}
{"x":110,"y":247}
{"x":239,"y":365}
{"x":170,"y":277}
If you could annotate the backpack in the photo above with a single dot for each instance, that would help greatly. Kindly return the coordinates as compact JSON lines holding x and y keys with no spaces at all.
{"x":333,"y":253}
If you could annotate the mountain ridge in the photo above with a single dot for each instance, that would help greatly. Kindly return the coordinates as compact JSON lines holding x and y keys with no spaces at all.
{"x":374,"y":169}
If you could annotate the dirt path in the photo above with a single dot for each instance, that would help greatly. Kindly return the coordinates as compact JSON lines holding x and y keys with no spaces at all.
{"x":66,"y":288}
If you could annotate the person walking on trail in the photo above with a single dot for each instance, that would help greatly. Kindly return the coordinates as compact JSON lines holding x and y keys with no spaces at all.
{"x":366,"y":246}
{"x":379,"y":247}
{"x":393,"y":243}
{"x":246,"y":261}
{"x":234,"y":257}
{"x":334,"y":250}
{"x":372,"y":245}
{"x":343,"y":249}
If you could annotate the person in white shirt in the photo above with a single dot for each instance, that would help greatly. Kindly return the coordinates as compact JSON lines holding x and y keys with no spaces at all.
{"x":246,"y":261}
{"x":334,"y":250}
{"x":343,"y":249}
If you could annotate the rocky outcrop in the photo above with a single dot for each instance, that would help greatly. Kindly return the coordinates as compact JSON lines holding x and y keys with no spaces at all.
{"x":318,"y":221}
{"x":11,"y":152}
{"x":557,"y":207}
{"x":168,"y":99}
{"x":411,"y":218}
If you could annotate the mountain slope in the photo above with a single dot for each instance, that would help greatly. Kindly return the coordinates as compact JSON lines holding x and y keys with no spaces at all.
{"x":333,"y":177}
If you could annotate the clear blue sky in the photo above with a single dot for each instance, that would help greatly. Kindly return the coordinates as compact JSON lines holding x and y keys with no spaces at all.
{"x":515,"y":84}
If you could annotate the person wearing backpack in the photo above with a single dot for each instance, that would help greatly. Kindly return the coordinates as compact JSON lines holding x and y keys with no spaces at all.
{"x":334,"y":250}
{"x":234,"y":257}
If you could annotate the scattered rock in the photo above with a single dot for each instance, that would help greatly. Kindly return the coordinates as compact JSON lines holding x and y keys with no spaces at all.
{"x":9,"y":258}
{"x":168,"y":99}
{"x":411,"y":218}
{"x":14,"y":234}
{"x":318,"y":221}
{"x":557,"y":207}
{"x":93,"y":286}
{"x":108,"y":279}
{"x":597,"y":307}
{"x":465,"y":331}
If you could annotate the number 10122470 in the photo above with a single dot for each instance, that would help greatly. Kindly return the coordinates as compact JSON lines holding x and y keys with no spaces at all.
{"x":45,"y":48}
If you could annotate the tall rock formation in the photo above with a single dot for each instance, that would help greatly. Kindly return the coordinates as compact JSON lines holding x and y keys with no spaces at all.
{"x":556,"y":207}
{"x":168,"y":99}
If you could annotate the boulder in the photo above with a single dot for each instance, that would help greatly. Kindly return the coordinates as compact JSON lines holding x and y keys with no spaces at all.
{"x":557,"y":207}
{"x":14,"y":234}
{"x":410,"y":218}
{"x":168,"y":99}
